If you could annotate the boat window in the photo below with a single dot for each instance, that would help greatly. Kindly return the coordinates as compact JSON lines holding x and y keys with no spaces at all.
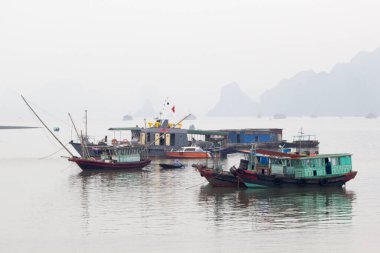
{"x":162,"y":140}
{"x":296,"y":163}
{"x":335,"y":161}
{"x":189,"y":149}
{"x":316,"y":163}
{"x":148,"y":137}
{"x":347,"y":160}
{"x":172,"y":139}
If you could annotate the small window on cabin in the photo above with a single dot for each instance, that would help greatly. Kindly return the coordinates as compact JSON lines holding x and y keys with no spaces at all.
{"x":148,"y":137}
{"x":343,"y":160}
{"x":162,"y":140}
{"x":314,"y":173}
{"x":348,"y":160}
{"x":172,"y":139}
{"x":190,"y":149}
{"x":256,"y":138}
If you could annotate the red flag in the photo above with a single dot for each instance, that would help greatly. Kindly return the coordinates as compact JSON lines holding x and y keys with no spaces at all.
{"x":173,"y":108}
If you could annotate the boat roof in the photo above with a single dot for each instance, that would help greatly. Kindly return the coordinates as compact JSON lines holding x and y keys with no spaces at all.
{"x":325,"y":156}
{"x":271,"y":153}
{"x":207,"y":132}
{"x":255,"y":130}
{"x":276,"y":154}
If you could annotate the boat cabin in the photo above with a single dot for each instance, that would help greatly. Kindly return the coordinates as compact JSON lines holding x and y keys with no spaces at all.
{"x":130,"y":154}
{"x":191,"y":149}
{"x":305,"y":167}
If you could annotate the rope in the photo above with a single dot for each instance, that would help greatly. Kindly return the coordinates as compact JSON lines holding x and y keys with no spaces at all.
{"x":45,"y":157}
{"x":197,"y":184}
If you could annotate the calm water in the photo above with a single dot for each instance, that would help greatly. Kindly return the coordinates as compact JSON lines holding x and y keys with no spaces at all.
{"x":49,"y":205}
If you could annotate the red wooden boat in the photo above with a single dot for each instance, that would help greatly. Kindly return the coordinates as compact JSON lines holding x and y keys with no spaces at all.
{"x":89,"y":164}
{"x":219,"y":178}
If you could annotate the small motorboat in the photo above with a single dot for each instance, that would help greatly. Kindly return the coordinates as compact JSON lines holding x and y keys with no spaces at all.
{"x":175,"y":165}
{"x":192,"y":152}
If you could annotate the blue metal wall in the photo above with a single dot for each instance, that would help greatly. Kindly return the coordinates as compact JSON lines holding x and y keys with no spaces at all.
{"x":233,"y":137}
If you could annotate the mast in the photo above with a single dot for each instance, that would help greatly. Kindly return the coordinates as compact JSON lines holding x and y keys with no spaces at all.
{"x":301,"y":135}
{"x":85,"y":133}
{"x":68,"y":151}
{"x":80,"y":137}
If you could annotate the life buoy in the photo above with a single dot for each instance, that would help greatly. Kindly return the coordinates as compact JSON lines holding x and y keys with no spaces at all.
{"x":125,"y":141}
{"x":114,"y":141}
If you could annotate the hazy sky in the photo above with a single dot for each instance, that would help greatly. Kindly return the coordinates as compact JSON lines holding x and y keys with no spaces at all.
{"x":187,"y":50}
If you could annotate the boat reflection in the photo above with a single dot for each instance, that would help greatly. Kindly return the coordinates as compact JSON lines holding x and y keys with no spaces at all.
{"x":278,"y":208}
{"x":103,"y":192}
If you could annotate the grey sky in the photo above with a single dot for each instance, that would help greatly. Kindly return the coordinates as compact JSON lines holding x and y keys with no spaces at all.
{"x":181,"y":49}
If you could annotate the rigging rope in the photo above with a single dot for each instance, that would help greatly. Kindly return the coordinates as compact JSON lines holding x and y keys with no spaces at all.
{"x":45,"y":157}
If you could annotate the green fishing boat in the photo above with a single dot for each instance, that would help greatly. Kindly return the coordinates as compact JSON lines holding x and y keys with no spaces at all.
{"x":269,"y":168}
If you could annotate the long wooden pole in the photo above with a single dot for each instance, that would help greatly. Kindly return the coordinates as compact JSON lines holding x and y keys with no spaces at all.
{"x":85,"y":134}
{"x":80,"y":137}
{"x":68,"y":151}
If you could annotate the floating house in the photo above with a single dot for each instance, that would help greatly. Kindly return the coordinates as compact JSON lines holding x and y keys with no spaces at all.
{"x":162,"y":136}
{"x":251,"y":135}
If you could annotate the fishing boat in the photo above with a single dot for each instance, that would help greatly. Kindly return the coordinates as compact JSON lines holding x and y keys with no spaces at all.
{"x":216,"y":176}
{"x":270,"y":168}
{"x":114,"y":159}
{"x":192,"y":152}
{"x":110,"y":159}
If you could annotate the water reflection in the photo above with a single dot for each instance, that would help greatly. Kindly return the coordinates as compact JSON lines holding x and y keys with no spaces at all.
{"x":103,"y":196}
{"x":278,"y":208}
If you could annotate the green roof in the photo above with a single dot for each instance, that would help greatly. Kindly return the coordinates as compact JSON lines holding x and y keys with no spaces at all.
{"x":325,"y":156}
{"x":207,"y":132}
{"x":124,"y":128}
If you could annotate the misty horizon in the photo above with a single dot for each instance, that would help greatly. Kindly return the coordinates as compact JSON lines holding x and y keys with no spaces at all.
{"x":110,"y":56}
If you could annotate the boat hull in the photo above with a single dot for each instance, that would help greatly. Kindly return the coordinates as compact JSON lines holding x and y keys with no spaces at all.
{"x":171,"y":166}
{"x":220,"y":178}
{"x":189,"y":155}
{"x":254,"y":180}
{"x":95,"y":165}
